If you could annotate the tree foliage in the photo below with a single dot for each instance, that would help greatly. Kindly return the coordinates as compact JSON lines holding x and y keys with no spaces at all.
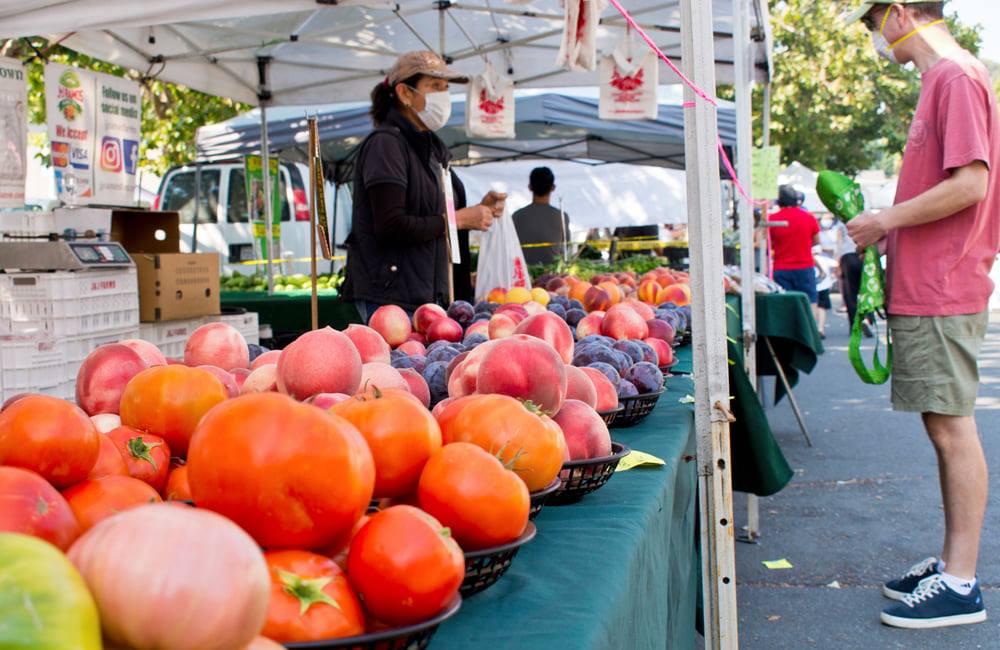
{"x":170,"y":113}
{"x":835,"y":104}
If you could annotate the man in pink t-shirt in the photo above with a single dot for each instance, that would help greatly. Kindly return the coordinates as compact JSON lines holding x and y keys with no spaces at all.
{"x":941,"y":239}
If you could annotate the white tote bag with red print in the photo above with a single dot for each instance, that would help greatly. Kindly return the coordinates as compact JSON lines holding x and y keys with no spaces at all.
{"x":501,"y":262}
{"x":489,"y":111}
{"x":578,"y":50}
{"x":628,"y":84}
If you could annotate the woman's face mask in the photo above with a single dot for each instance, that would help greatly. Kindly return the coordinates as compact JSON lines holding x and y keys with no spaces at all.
{"x":437,"y":109}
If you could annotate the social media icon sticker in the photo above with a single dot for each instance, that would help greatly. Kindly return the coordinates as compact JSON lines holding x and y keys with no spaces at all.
{"x":111,"y":154}
{"x":130,"y":151}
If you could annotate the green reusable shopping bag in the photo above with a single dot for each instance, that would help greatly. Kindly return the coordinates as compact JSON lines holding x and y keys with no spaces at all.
{"x":843,"y":198}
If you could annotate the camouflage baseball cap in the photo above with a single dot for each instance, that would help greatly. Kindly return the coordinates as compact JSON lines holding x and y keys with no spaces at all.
{"x":868,"y":5}
{"x":425,"y":63}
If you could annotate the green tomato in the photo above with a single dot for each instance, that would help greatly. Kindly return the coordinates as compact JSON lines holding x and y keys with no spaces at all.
{"x":44,"y":603}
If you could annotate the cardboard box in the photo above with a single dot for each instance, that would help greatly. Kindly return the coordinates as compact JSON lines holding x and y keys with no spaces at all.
{"x":143,"y":231}
{"x":177,"y":285}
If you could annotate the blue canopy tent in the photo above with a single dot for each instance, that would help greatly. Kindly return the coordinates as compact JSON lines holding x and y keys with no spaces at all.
{"x":549,"y":126}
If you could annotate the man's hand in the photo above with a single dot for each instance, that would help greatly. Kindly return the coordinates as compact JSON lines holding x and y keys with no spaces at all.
{"x":867,"y":228}
{"x":476,"y":217}
{"x":495,"y":201}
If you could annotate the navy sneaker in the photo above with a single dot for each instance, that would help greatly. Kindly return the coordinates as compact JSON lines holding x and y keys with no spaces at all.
{"x":934,"y":604}
{"x":896,"y":589}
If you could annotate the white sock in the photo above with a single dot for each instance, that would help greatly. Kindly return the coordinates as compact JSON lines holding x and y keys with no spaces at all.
{"x":940,"y":566}
{"x":961,"y":586}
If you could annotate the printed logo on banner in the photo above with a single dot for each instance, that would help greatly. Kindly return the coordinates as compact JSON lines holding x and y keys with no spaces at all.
{"x":111,"y":154}
{"x":60,"y":154}
{"x":130,"y":150}
{"x":79,"y":158}
{"x":70,"y":95}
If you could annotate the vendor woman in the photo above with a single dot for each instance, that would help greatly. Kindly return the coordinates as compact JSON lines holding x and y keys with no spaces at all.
{"x":398,"y":251}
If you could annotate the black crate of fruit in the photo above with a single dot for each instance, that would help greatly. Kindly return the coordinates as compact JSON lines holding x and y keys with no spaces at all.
{"x":636,"y":409}
{"x":540,"y":497}
{"x":609,"y":416}
{"x":581,"y":477}
{"x":483,"y":568}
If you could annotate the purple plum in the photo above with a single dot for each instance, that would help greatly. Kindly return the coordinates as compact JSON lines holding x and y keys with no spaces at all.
{"x":608,"y":371}
{"x":574,"y":316}
{"x":557,"y":309}
{"x":630,"y":348}
{"x":645,"y":376}
{"x":462,"y":312}
{"x":627,"y":389}
{"x":434,"y":374}
{"x":648,"y":353}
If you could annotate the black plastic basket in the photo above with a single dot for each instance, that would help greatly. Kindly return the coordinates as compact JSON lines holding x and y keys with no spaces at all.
{"x":581,"y":477}
{"x":612,"y":415}
{"x":539,"y":498}
{"x":483,"y":568}
{"x":411,"y":637}
{"x":636,"y":408}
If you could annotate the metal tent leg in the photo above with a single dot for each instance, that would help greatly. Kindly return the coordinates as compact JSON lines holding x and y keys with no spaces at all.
{"x":788,"y":389}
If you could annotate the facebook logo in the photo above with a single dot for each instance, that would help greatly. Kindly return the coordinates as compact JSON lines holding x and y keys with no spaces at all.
{"x":130,"y":155}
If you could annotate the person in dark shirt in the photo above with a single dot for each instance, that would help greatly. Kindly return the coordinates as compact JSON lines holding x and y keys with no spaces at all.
{"x":398,"y":249}
{"x":539,"y":222}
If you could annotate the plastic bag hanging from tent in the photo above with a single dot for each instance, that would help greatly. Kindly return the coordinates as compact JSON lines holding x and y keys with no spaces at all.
{"x":501,"y":261}
{"x":628,"y":83}
{"x":489,"y":110}
{"x":578,"y":50}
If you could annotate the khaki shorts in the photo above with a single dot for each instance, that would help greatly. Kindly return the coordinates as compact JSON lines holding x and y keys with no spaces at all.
{"x":934,"y":362}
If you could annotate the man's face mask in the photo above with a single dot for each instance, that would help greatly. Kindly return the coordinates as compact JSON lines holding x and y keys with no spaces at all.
{"x":882,"y":44}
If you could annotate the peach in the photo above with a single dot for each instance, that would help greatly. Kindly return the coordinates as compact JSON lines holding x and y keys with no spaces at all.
{"x":661,"y":329}
{"x":678,"y":294}
{"x":648,"y":291}
{"x":664,"y":353}
{"x":518,"y":295}
{"x":103,"y":375}
{"x":579,"y":290}
{"x":217,"y":344}
{"x":664,"y":277}
{"x":622,"y":322}
{"x":13,"y":398}
{"x":515,"y":311}
{"x":501,"y":326}
{"x":478,"y":327}
{"x":262,"y":380}
{"x":586,"y":434}
{"x":497,"y":295}
{"x":556,"y":285}
{"x":105,"y":422}
{"x":427,"y":314}
{"x":240,"y":375}
{"x":444,"y":329}
{"x":271,"y":356}
{"x":589,"y":324}
{"x":580,"y":387}
{"x":226,"y":378}
{"x":412,"y":348}
{"x":526,"y":368}
{"x":175,"y":362}
{"x":376,"y":374}
{"x":607,"y":396}
{"x":326,"y":400}
{"x":392,"y":322}
{"x":614,"y":292}
{"x":463,"y":378}
{"x":551,"y":329}
{"x":641,"y":308}
{"x":148,"y":351}
{"x":370,"y":344}
{"x":418,"y":337}
{"x":321,"y":361}
{"x":418,"y":386}
{"x":534,"y":307}
{"x":596,"y":299}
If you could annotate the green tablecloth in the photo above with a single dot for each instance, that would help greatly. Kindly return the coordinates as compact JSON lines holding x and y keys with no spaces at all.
{"x":616,"y":570}
{"x":289,"y":313}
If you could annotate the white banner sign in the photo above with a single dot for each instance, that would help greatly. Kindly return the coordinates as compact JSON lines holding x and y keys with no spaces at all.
{"x":13,"y":132}
{"x":94,"y":128}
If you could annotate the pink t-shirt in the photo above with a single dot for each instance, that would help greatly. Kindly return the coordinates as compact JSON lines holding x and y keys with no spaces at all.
{"x":942,"y":268}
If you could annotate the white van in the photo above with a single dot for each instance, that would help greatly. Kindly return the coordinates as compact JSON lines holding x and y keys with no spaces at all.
{"x":223,"y":218}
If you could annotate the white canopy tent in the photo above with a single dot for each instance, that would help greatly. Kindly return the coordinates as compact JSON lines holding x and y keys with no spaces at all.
{"x":309,"y":52}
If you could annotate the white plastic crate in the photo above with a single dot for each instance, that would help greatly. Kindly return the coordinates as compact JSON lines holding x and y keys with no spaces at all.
{"x":66,"y":303}
{"x":26,"y":223}
{"x":171,"y":336}
{"x":31,"y":364}
{"x":247,"y":324}
{"x":78,"y":347}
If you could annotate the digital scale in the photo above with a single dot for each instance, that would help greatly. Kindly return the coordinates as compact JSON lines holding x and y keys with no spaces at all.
{"x":61,"y":255}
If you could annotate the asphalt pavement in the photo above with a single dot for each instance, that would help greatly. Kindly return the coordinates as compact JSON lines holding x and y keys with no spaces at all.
{"x":863,"y":506}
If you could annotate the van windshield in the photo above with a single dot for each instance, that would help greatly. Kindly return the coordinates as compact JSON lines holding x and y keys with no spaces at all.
{"x":179,"y":195}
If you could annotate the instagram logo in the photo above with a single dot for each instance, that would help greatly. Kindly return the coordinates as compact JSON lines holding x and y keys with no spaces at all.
{"x":111,"y":154}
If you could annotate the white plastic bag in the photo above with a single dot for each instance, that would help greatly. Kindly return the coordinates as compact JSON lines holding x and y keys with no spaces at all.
{"x":578,"y":50}
{"x":501,"y":262}
{"x":628,"y":83}
{"x":489,"y":111}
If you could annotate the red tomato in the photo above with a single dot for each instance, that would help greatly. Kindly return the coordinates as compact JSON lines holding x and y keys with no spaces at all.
{"x":400,"y":432}
{"x":405,"y":565}
{"x":529,"y":443}
{"x":169,"y":401}
{"x":290,"y":474}
{"x":109,"y":460}
{"x":94,"y":499}
{"x":147,"y":456}
{"x":49,"y":436}
{"x":472,"y":493}
{"x":338,"y":550}
{"x":30,"y":505}
{"x":177,"y":487}
{"x":311,"y":599}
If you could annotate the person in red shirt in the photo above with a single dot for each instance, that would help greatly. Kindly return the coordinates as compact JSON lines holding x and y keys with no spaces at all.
{"x":791,"y":244}
{"x":941,"y":237}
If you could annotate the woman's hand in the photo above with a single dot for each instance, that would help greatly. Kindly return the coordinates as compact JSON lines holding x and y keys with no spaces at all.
{"x":476,"y":217}
{"x":495,"y":201}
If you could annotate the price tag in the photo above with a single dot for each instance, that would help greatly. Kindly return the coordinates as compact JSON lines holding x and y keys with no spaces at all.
{"x":637,"y":458}
{"x":449,"y":204}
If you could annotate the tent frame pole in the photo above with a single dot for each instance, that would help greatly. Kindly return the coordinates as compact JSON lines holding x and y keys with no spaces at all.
{"x":265,"y":161}
{"x":711,"y":370}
